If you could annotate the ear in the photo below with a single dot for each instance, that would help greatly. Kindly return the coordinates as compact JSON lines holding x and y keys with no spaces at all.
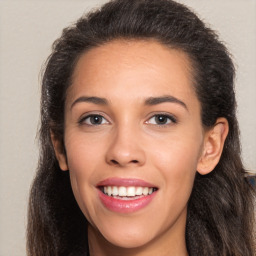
{"x":59,"y":152}
{"x":213,"y":145}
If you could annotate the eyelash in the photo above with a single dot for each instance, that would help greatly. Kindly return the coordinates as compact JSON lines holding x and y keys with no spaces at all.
{"x":83,"y":119}
{"x":171,"y":120}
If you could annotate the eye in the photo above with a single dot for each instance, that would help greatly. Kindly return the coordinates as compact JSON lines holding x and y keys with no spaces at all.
{"x":162,"y":119}
{"x":93,"y":120}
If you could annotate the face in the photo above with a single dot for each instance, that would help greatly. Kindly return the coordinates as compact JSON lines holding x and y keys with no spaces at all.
{"x":133,"y":140}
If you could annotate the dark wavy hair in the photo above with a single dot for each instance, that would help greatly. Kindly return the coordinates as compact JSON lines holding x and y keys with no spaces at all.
{"x":220,"y":216}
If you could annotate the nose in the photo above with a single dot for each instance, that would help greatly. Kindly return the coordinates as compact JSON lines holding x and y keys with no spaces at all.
{"x":125,"y":149}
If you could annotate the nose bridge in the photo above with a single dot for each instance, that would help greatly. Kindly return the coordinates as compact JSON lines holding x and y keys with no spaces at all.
{"x":125,"y":146}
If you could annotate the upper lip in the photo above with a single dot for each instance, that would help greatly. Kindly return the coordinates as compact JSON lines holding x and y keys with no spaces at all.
{"x":126,"y":182}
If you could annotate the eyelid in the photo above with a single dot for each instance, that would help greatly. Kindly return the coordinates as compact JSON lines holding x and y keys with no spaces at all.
{"x":172,"y":118}
{"x":90,"y":114}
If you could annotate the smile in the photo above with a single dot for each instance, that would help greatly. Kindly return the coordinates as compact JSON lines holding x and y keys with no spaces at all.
{"x":124,"y":192}
{"x":125,"y":195}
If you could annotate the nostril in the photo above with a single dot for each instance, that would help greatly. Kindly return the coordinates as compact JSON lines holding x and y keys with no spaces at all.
{"x":114,"y":162}
{"x":117,"y":163}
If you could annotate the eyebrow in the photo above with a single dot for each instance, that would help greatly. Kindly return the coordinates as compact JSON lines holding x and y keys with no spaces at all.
{"x":158,"y":100}
{"x":151,"y":101}
{"x":95,"y":100}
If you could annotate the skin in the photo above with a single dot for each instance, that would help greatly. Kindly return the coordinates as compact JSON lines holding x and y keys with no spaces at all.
{"x":128,"y":143}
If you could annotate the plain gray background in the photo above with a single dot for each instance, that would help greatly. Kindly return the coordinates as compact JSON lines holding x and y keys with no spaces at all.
{"x":27,"y":30}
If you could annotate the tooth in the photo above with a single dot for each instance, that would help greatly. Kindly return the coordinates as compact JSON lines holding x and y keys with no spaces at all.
{"x":109,"y":190}
{"x":145,"y":191}
{"x":127,"y":191}
{"x":138,"y":191}
{"x":122,"y":191}
{"x":131,"y":191}
{"x":114,"y":191}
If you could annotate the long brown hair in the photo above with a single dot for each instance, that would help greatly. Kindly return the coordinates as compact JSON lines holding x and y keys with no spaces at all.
{"x":220,"y":210}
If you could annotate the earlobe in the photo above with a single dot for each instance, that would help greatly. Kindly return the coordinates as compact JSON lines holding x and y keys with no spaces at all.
{"x":213,"y":146}
{"x":59,"y":152}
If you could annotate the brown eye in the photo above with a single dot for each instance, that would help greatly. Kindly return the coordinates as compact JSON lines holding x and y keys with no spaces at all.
{"x":94,"y":120}
{"x":161,"y":119}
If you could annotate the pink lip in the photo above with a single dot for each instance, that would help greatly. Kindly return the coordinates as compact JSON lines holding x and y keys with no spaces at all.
{"x":125,"y":206}
{"x":124,"y":182}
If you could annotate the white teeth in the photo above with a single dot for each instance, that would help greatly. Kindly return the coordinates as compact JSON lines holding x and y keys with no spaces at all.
{"x":114,"y":191}
{"x":122,"y":191}
{"x":145,"y":191}
{"x":138,"y":191}
{"x":109,"y":191}
{"x":127,"y":191}
{"x":131,"y":191}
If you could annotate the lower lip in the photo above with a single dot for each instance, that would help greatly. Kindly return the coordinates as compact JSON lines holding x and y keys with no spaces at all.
{"x":125,"y":206}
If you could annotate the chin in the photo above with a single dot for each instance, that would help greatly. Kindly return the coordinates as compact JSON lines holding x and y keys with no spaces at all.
{"x":128,"y":240}
{"x":124,"y":236}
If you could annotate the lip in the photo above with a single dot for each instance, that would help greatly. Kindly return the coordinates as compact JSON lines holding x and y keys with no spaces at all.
{"x":125,"y":206}
{"x":125,"y":182}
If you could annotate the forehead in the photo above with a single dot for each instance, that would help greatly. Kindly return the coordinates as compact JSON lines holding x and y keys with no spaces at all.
{"x":141,"y":66}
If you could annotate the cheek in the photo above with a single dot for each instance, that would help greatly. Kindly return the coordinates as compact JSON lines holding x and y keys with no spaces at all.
{"x":83,"y":158}
{"x":178,"y":154}
{"x":178,"y":169}
{"x":83,"y":154}
{"x":177,"y":163}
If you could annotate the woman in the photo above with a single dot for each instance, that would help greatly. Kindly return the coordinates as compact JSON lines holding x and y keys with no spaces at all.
{"x":140,"y":151}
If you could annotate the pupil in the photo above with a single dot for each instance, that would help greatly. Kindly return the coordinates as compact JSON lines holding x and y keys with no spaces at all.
{"x":161,"y":119}
{"x":96,"y":119}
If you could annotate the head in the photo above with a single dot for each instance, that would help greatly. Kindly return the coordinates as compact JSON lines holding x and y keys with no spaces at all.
{"x":185,"y":68}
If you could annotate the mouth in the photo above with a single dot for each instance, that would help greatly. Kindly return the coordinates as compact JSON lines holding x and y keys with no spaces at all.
{"x":125,"y":195}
